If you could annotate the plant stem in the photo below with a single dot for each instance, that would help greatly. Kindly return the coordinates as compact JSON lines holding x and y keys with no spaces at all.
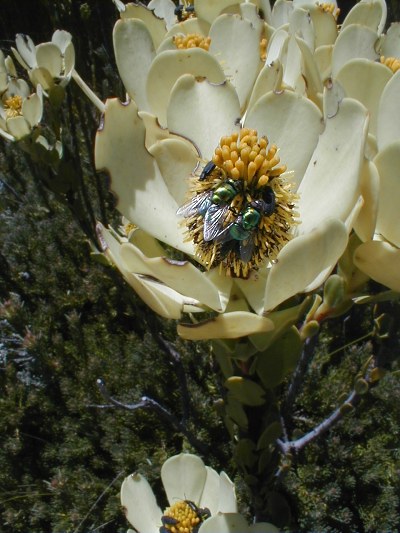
{"x":88,"y":92}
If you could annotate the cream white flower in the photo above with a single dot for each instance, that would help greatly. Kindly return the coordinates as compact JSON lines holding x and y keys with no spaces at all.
{"x":321,"y":141}
{"x":150,"y":186}
{"x":194,"y":492}
{"x":20,"y":110}
{"x":47,"y":64}
{"x":150,"y":59}
{"x":200,"y":501}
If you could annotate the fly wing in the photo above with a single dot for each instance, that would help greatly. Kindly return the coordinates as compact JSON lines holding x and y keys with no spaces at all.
{"x":199,"y":204}
{"x":214,"y":221}
{"x":246,"y":248}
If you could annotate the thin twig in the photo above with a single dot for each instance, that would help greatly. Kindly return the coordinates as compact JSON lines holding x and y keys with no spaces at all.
{"x":148,"y":403}
{"x":296,"y":445}
{"x":298,"y":375}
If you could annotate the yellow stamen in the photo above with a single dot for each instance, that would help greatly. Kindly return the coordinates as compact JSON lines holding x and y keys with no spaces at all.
{"x":13,"y":106}
{"x":246,"y":201}
{"x":330,"y":8}
{"x":392,"y":62}
{"x":263,"y":49}
{"x":192,"y":40}
{"x":183,"y":517}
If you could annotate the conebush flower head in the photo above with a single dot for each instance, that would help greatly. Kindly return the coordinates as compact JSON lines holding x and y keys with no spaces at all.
{"x":200,"y":500}
{"x":255,"y":180}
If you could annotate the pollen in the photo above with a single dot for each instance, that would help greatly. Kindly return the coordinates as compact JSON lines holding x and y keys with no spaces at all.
{"x":392,"y":62}
{"x":263,"y":49}
{"x":327,"y":7}
{"x":13,"y":106}
{"x":183,"y":517}
{"x":192,"y":40}
{"x":241,"y":209}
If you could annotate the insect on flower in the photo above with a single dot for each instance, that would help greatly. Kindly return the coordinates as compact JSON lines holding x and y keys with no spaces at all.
{"x":239,"y":234}
{"x":241,"y":209}
{"x":184,"y":516}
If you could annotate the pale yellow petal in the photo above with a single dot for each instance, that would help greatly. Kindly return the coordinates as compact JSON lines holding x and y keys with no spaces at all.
{"x":388,"y":164}
{"x":281,"y":117}
{"x":139,"y":503}
{"x":388,"y":128}
{"x":331,"y":184}
{"x":381,"y":262}
{"x":365,"y":223}
{"x":176,"y":160}
{"x":240,"y":63}
{"x":365,"y":81}
{"x":183,"y":477}
{"x":142,"y":194}
{"x":134,"y":53}
{"x":226,"y":326}
{"x":303,"y":259}
{"x":354,"y":41}
{"x":166,"y":69}
{"x":214,"y":112}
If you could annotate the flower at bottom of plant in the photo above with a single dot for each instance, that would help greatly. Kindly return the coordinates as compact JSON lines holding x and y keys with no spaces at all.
{"x":194,"y":492}
{"x":241,"y":210}
{"x":200,"y":501}
{"x":183,"y":516}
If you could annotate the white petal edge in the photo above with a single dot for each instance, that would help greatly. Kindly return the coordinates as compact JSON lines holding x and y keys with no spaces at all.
{"x":140,"y":504}
{"x":214,"y":112}
{"x":281,"y":117}
{"x":134,"y":53}
{"x":331,"y":184}
{"x":380,"y":261}
{"x":143,"y":196}
{"x":231,"y":325}
{"x":302,"y":260}
{"x":225,"y":523}
{"x":183,"y":477}
{"x":388,"y":163}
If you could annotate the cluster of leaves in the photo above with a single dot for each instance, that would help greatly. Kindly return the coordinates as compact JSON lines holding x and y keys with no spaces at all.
{"x":66,"y":320}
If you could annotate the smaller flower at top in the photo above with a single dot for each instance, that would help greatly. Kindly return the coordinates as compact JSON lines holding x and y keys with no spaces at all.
{"x":20,"y":110}
{"x":48,"y":64}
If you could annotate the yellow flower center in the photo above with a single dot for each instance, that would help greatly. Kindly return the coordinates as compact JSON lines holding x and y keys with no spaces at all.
{"x":330,"y":8}
{"x":13,"y":106}
{"x":241,"y":209}
{"x":263,"y":49}
{"x":192,"y":40}
{"x":183,"y":517}
{"x":248,"y":158}
{"x":392,"y":62}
